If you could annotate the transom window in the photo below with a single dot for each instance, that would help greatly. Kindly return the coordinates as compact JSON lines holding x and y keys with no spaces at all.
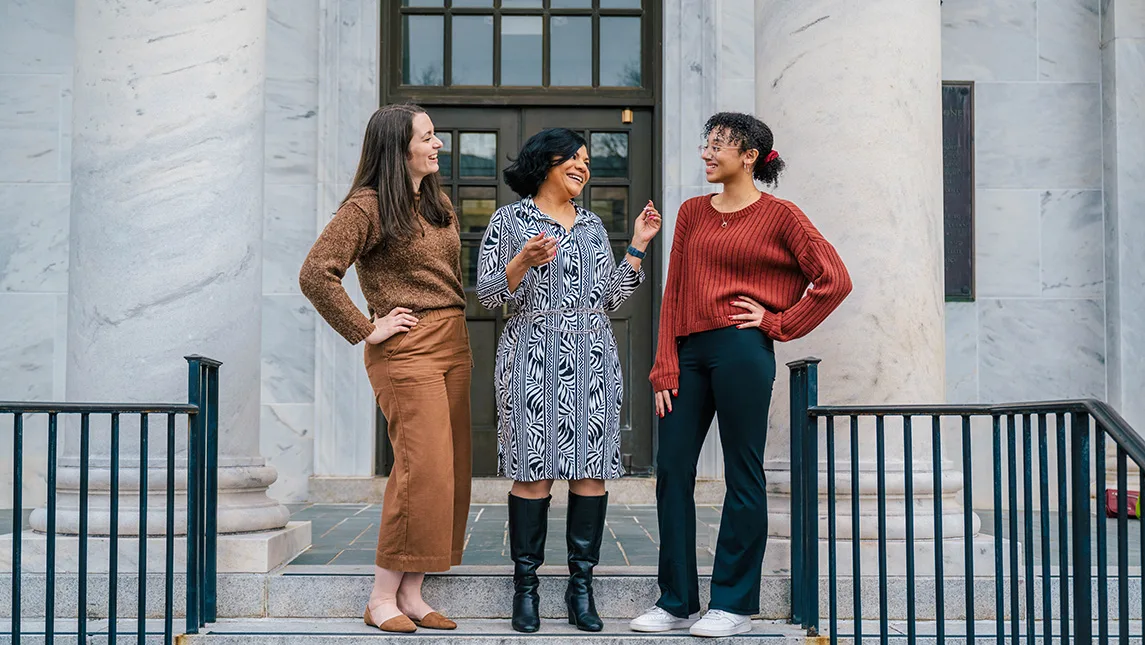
{"x":559,"y":44}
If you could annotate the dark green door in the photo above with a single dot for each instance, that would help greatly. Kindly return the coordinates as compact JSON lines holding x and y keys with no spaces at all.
{"x":479,"y":143}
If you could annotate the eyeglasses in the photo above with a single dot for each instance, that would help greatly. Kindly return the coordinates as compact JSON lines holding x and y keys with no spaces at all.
{"x":715,"y":149}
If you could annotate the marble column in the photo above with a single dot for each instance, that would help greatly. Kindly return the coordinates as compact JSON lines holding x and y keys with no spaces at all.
{"x":166,"y":243}
{"x":1123,"y":111}
{"x":852,"y":93}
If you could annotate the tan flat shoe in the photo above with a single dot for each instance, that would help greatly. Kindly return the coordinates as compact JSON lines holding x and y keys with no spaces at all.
{"x":434,"y":620}
{"x":400,"y":624}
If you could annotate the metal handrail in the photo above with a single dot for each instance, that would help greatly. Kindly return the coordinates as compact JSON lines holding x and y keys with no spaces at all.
{"x":1083,"y":563}
{"x":202,"y":501}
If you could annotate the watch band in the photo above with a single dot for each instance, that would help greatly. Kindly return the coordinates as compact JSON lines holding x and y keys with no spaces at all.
{"x":639,"y":255}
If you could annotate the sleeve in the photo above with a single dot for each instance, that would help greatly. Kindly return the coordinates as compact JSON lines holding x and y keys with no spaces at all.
{"x":622,"y":282}
{"x":830,"y":284}
{"x":338,"y":247}
{"x":498,"y":247}
{"x":666,"y":368}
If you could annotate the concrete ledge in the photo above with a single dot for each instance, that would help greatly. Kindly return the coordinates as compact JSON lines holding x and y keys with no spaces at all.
{"x":493,"y":490}
{"x":238,"y":553}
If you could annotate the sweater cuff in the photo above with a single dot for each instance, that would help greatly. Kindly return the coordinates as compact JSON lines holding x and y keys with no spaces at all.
{"x":359,"y":331}
{"x":770,"y":325}
{"x":665,"y":382}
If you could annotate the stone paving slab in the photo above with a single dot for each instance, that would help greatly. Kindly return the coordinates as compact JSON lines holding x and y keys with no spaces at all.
{"x":346,"y":534}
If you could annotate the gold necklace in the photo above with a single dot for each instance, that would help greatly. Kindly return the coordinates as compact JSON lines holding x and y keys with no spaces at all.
{"x":724,"y":216}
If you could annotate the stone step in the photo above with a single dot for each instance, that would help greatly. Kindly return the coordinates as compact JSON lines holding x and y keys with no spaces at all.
{"x":471,"y":592}
{"x":346,"y":632}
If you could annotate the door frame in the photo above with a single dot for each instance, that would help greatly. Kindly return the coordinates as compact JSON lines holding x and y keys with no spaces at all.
{"x":647,"y":97}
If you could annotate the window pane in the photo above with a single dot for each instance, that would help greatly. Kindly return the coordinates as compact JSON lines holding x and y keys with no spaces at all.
{"x":609,"y":154}
{"x":472,"y":50}
{"x":521,"y":50}
{"x":610,"y":203}
{"x":571,"y":4}
{"x":478,"y":154}
{"x":614,"y":4}
{"x":570,"y":51}
{"x":472,"y":3}
{"x":445,"y":155}
{"x":522,"y":4}
{"x":620,"y":52}
{"x":470,"y":255}
{"x":475,"y":205}
{"x":423,"y":50}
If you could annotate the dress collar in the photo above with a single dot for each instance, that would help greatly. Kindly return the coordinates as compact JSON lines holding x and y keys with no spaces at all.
{"x":583,"y":215}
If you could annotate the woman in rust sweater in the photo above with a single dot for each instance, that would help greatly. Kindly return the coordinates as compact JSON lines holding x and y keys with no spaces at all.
{"x":738,"y":278}
{"x":399,"y":231}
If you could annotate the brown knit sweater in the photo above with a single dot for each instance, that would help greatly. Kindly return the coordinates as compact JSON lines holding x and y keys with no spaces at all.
{"x":422,"y":274}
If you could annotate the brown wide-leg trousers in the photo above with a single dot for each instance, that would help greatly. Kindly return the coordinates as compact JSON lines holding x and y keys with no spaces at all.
{"x":421,"y":381}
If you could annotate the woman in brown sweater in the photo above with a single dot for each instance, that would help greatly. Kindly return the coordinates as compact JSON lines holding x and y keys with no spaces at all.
{"x":400,"y":232}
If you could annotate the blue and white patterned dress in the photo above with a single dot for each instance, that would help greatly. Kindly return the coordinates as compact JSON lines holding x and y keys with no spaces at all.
{"x":558,"y":377}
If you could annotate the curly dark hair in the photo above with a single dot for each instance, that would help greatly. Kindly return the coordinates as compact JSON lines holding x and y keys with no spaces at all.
{"x":748,"y":132}
{"x":544,"y":150}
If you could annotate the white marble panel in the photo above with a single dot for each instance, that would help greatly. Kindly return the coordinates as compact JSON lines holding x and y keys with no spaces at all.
{"x":1038,"y":135}
{"x":287,"y":350}
{"x":35,"y":466}
{"x":1122,"y":19}
{"x":989,"y":40}
{"x":736,"y":56}
{"x":27,"y":346}
{"x":30,"y":116}
{"x":736,"y":95}
{"x":60,"y":364}
{"x":1073,"y":244}
{"x":291,"y":131}
{"x":36,"y":36}
{"x":1041,"y":349}
{"x":287,"y":443}
{"x":1128,"y":329}
{"x":1069,"y":41}
{"x":34,"y":243}
{"x":1129,"y":128}
{"x":287,"y":235}
{"x":961,"y":352}
{"x":292,"y":39}
{"x":1006,"y":252}
{"x":357,"y":39}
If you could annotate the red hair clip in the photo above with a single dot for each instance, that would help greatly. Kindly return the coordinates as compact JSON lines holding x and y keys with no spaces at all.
{"x":771,"y":156}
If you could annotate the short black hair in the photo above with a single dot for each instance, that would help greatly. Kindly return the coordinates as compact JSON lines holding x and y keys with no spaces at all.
{"x":749,"y":132}
{"x":541,"y":152}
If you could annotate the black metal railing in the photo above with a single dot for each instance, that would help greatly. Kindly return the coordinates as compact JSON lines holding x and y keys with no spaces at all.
{"x":1024,"y":575}
{"x":201,"y":415}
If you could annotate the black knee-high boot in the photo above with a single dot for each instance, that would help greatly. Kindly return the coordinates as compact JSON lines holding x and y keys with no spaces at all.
{"x":584,"y":533}
{"x":528,"y":526}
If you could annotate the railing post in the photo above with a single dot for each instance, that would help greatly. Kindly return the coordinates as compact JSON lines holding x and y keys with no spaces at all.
{"x":1082,"y":545}
{"x":202,"y":493}
{"x":804,"y":495}
{"x":196,"y":395}
{"x":210,"y":563}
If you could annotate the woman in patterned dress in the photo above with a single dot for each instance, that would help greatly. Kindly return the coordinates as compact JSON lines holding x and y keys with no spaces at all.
{"x":557,"y":373}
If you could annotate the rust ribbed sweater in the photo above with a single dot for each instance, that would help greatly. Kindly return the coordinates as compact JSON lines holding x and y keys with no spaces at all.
{"x":769,"y":251}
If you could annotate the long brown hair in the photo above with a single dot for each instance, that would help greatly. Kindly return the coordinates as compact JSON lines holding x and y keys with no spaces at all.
{"x":384,"y":167}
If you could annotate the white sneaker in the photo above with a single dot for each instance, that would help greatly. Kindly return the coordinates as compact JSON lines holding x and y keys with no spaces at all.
{"x":718,"y":623}
{"x":657,"y":620}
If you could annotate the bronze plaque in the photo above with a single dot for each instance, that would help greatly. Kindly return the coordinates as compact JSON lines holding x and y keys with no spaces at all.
{"x":958,"y":189}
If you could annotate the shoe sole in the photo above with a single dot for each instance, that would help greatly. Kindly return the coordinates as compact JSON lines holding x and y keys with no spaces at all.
{"x":742,"y":629}
{"x":647,"y":629}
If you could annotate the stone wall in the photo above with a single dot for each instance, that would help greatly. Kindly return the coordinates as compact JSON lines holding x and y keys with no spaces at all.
{"x":1037,"y":327}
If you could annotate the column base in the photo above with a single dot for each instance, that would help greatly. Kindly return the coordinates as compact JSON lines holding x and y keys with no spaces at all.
{"x":259,"y":552}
